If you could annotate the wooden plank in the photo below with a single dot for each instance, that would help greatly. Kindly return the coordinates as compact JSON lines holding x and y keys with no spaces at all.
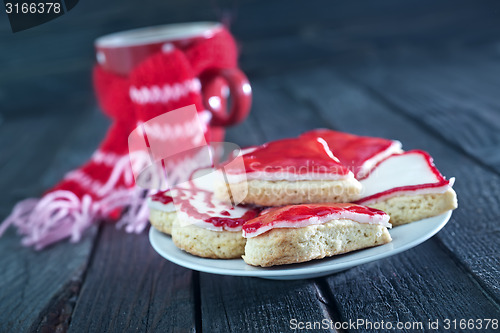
{"x":78,"y":147}
{"x":129,"y":287}
{"x":456,"y":99}
{"x":22,"y":166}
{"x":276,"y":115}
{"x":343,"y":30}
{"x":312,"y":37}
{"x":411,"y":288}
{"x":62,"y":143}
{"x":303,"y":33}
{"x":470,"y":236}
{"x":237,"y":304}
{"x":17,"y":134}
{"x":123,"y":263}
{"x":230,"y":304}
{"x":246,"y":133}
{"x":37,"y":289}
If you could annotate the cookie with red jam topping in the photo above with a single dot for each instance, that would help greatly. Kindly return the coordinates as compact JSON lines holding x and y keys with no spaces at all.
{"x":299,"y":233}
{"x":409,"y":188}
{"x":359,"y":153}
{"x":406,"y":185}
{"x":290,"y":171}
{"x":209,"y":228}
{"x":162,"y":211}
{"x":198,"y":222}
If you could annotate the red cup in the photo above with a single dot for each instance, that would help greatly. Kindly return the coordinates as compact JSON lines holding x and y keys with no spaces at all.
{"x":120,"y":52}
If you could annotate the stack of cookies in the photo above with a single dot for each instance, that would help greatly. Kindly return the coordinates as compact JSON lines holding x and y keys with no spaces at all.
{"x":321,"y":194}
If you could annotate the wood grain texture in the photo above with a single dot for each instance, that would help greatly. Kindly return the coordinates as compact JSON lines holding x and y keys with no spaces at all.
{"x":275,"y":115}
{"x":37,"y":289}
{"x":284,"y":38}
{"x":21,"y":165}
{"x":78,"y":145}
{"x":321,"y":32}
{"x":237,"y":304}
{"x":233,"y":304}
{"x":455,"y":98}
{"x":472,"y":236}
{"x":129,"y":287}
{"x":416,"y":286}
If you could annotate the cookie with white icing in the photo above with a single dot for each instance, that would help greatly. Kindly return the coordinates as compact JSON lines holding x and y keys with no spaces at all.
{"x":408,"y":187}
{"x":198,"y":222}
{"x":162,"y":211}
{"x":358,"y":153}
{"x":299,"y":233}
{"x":209,"y":228}
{"x":290,"y":171}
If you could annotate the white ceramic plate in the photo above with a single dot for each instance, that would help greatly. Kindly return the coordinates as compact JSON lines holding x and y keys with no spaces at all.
{"x":403,"y":238}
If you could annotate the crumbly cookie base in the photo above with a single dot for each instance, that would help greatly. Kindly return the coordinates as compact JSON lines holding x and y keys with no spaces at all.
{"x":405,"y":209}
{"x":207,"y":243}
{"x":278,"y":193}
{"x":161,"y":220}
{"x":282,"y":246}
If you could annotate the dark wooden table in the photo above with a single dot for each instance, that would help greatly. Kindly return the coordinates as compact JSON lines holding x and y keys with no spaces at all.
{"x":424,"y":72}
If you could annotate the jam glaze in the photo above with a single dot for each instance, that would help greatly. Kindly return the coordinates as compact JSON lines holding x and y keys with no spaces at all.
{"x":290,"y":159}
{"x":196,"y":204}
{"x":410,"y":173}
{"x":358,"y":153}
{"x":200,"y":208}
{"x":162,"y":201}
{"x":299,"y":216}
{"x":162,"y":197}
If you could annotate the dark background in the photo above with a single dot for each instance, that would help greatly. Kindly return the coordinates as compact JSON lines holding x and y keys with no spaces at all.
{"x":47,"y":69}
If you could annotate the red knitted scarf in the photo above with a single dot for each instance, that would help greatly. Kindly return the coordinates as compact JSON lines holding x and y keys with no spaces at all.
{"x":103,"y":187}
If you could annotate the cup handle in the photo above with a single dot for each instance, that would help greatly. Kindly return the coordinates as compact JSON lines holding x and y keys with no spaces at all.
{"x":214,"y":90}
